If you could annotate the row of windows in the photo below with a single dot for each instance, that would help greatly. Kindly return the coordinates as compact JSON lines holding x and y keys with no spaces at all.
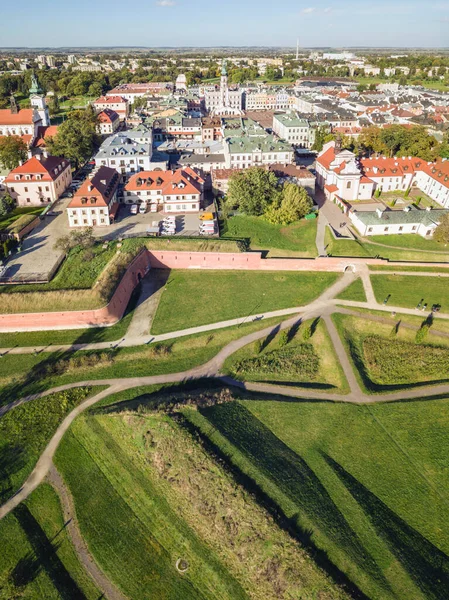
{"x":85,"y":221}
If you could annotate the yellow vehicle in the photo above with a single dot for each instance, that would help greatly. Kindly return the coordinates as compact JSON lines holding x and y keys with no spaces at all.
{"x":207,"y":216}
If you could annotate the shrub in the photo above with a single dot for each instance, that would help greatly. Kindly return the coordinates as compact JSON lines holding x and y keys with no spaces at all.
{"x":300,"y":360}
{"x":258,"y":346}
{"x":283,"y":339}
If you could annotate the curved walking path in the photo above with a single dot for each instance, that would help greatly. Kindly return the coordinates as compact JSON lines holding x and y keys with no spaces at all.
{"x":72,"y":528}
{"x":322,"y":307}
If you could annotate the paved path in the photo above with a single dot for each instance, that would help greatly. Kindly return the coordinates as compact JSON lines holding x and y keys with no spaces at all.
{"x":72,"y":528}
{"x":320,"y":240}
{"x":367,"y":286}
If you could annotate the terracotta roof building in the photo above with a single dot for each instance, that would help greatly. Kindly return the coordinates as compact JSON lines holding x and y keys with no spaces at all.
{"x":172,"y":191}
{"x":95,"y":202}
{"x":40,"y":180}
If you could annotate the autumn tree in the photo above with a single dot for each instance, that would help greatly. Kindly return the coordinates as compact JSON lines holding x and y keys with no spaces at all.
{"x":292,"y":205}
{"x":441,"y":233}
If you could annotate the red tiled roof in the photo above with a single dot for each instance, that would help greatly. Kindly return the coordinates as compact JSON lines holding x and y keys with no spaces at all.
{"x":110,"y":100}
{"x":23,"y":117}
{"x":103,"y":185}
{"x":44,"y":133}
{"x":167,"y":182}
{"x":331,"y":188}
{"x":107,"y":116}
{"x":45,"y":167}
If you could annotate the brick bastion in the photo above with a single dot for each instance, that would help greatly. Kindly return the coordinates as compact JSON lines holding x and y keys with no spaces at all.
{"x":146,"y":260}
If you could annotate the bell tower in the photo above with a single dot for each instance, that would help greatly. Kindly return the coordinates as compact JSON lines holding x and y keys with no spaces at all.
{"x":224,"y":85}
{"x":37,"y":99}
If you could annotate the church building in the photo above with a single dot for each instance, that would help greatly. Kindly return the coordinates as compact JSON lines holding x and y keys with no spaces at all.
{"x":224,"y":101}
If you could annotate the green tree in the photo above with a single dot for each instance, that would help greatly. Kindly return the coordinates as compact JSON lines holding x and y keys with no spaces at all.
{"x":77,"y":138}
{"x":54,"y":105}
{"x":7,"y":204}
{"x":12,"y":150}
{"x":294,"y":205}
{"x":441,"y":233}
{"x":251,"y":191}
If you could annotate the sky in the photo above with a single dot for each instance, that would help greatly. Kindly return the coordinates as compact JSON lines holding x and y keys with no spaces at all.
{"x":154,"y":23}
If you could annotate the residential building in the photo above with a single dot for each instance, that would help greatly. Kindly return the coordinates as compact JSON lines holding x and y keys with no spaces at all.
{"x":71,"y":59}
{"x":242,"y":152}
{"x":41,"y":180}
{"x":177,"y":191}
{"x":295,"y":129}
{"x":108,"y":122}
{"x":128,"y":152}
{"x":95,"y":204}
{"x":118,"y":104}
{"x":131,"y":91}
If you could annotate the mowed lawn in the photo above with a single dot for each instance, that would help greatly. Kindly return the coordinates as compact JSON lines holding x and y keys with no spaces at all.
{"x":368,"y":483}
{"x":410,"y":241}
{"x":408,"y":291}
{"x":344,"y":247}
{"x":192,"y":298}
{"x":37,"y":559}
{"x":297,"y":239}
{"x":355,"y":291}
{"x":147,"y":494}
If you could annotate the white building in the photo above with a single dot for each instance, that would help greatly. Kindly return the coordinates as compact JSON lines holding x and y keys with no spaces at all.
{"x":108,"y":122}
{"x":224,"y":101}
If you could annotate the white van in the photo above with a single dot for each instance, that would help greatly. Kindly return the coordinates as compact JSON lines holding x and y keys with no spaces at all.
{"x":143,"y":208}
{"x":134,"y":209}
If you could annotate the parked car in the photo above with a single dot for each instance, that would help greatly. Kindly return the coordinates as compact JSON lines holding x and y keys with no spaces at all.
{"x":143,"y":208}
{"x":134,"y":209}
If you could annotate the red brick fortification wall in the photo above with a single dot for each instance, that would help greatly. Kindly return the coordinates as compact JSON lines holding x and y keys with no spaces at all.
{"x":78,"y":319}
{"x":171,"y":259}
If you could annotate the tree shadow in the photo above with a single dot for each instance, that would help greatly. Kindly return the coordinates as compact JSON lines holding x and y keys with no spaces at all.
{"x":270,"y":337}
{"x":12,"y":460}
{"x":301,"y":384}
{"x":293,"y":477}
{"x":425,"y":563}
{"x":45,"y":557}
{"x":293,"y":330}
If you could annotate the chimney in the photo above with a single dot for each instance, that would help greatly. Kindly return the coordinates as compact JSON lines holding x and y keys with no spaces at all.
{"x":379,"y":212}
{"x":90,"y":188}
{"x":30,"y":154}
{"x":45,"y":153}
{"x":103,"y":181}
{"x":38,"y":156}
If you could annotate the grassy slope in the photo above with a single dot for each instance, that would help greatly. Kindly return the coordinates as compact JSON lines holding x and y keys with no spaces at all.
{"x":73,"y":336}
{"x":198,"y":297}
{"x":342,"y":247}
{"x":414,"y":242}
{"x":22,"y":374}
{"x":142,"y":479}
{"x":26,"y":430}
{"x":380,"y":519}
{"x":36,"y":549}
{"x":329,"y":377}
{"x":355,"y":292}
{"x":297,"y":239}
{"x":17,"y":213}
{"x":407,"y":290}
{"x":406,"y":365}
{"x":130,"y":528}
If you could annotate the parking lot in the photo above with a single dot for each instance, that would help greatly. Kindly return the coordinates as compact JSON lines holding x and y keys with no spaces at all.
{"x":133,"y":225}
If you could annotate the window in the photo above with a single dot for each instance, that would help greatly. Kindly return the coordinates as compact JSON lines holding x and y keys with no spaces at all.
{"x":47,"y":188}
{"x":370,"y":229}
{"x":401,"y":228}
{"x":25,"y":189}
{"x":348,"y":185}
{"x":28,"y":200}
{"x":75,"y":221}
{"x":85,"y":221}
{"x":385,"y":229}
{"x":414,"y":228}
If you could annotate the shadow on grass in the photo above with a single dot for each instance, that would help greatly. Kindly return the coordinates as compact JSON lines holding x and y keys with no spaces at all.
{"x":270,"y":337}
{"x":300,"y":384}
{"x":425,"y":563}
{"x":45,"y":557}
{"x":12,"y":460}
{"x":293,"y":478}
{"x":289,"y":524}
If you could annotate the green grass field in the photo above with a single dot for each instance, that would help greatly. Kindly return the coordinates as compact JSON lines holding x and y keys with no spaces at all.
{"x":408,"y":291}
{"x":309,"y":363}
{"x":27,"y":429}
{"x":443,"y":269}
{"x":386,"y":356}
{"x":73,"y":336}
{"x":193,"y":298}
{"x":37,"y":558}
{"x":355,"y":291}
{"x":297,"y":239}
{"x":342,"y":247}
{"x":15,"y":214}
{"x":366,"y":484}
{"x":147,"y":494}
{"x":23,"y":374}
{"x":409,"y":241}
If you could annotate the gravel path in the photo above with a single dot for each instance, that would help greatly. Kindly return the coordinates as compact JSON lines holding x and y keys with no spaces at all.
{"x":99,"y":578}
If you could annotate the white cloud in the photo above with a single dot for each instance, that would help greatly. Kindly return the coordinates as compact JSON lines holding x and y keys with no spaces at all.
{"x":165,"y":3}
{"x":308,"y":11}
{"x":327,"y":10}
